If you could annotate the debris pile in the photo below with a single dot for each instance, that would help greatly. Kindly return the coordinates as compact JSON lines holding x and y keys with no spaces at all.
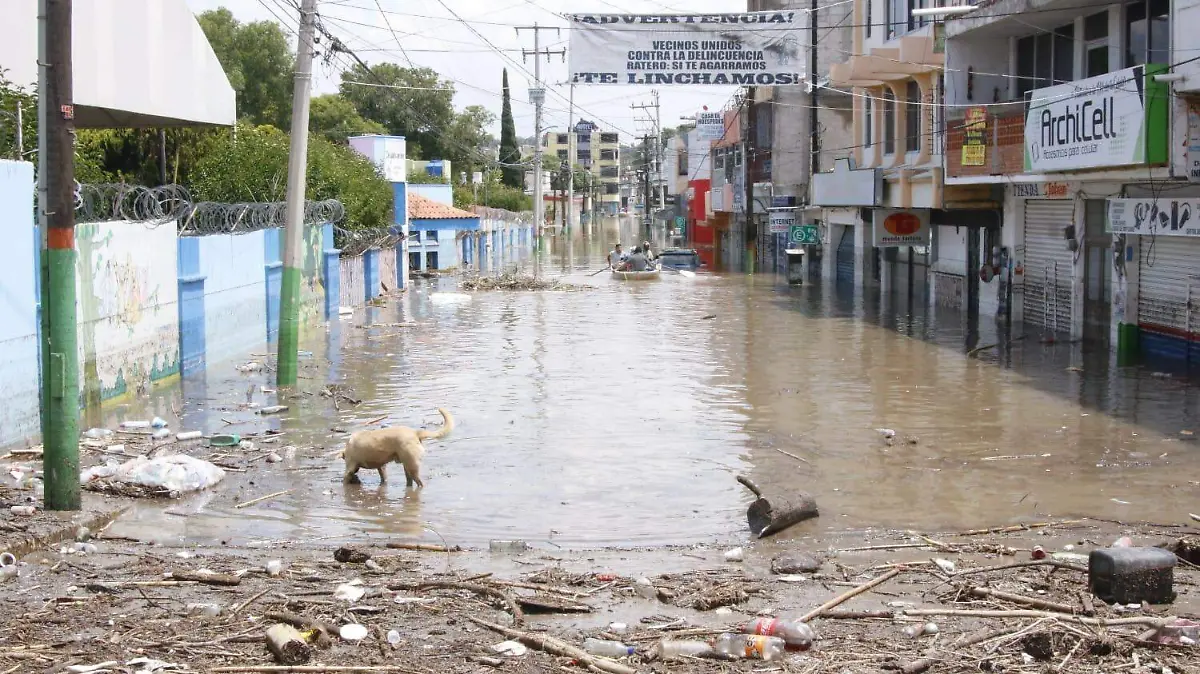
{"x":514,"y":281}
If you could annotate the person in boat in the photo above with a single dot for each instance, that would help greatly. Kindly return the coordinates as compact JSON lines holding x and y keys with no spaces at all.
{"x":616,"y":256}
{"x":637,"y":261}
{"x":646,"y":249}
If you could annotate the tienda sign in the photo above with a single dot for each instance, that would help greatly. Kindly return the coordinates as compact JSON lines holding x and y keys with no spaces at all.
{"x":895,"y":228}
{"x":1118,"y":119}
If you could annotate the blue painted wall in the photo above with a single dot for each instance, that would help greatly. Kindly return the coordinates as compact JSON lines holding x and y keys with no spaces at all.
{"x":273,"y":273}
{"x":191,"y":307}
{"x":19,"y":364}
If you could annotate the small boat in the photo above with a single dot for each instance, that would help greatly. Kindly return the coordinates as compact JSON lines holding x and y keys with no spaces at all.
{"x":647,"y":275}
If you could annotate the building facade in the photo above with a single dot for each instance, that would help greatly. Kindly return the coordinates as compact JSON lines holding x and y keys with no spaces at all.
{"x":599,"y":153}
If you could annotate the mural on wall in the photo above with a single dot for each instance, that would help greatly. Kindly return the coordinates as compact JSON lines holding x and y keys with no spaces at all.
{"x":312,"y":286}
{"x":128,"y":298}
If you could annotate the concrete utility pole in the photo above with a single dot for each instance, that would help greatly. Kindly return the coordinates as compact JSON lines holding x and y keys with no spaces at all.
{"x":293,"y":247}
{"x":537,"y":95}
{"x":751,"y":233}
{"x":56,"y":220}
{"x":814,"y":140}
{"x":571,"y":164}
{"x":657,"y":162}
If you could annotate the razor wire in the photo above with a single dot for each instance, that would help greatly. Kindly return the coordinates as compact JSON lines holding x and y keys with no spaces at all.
{"x":354,"y":242}
{"x":106,"y":202}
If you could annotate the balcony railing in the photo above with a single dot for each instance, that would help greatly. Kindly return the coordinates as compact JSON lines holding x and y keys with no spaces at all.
{"x":993,"y":137}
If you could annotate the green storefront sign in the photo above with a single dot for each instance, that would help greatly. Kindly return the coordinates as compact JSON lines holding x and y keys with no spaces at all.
{"x":803,"y":235}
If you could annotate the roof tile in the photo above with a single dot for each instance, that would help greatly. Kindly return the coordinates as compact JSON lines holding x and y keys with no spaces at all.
{"x":424,"y":208}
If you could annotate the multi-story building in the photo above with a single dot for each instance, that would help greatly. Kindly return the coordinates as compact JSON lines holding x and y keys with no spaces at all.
{"x":599,"y":152}
{"x":1077,"y":120}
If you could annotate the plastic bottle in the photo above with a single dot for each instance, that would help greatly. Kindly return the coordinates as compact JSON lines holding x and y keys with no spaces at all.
{"x":135,"y":424}
{"x":754,"y":646}
{"x":669,"y":649}
{"x":798,"y":636}
{"x":97,"y":433}
{"x":645,"y":589}
{"x":608,"y":649}
{"x":158,"y":422}
{"x":161,"y":433}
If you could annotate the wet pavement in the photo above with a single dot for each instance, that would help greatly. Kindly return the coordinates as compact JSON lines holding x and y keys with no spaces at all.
{"x":620,"y":415}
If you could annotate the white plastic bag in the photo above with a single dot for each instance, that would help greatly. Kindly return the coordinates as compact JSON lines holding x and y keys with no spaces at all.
{"x":176,"y":474}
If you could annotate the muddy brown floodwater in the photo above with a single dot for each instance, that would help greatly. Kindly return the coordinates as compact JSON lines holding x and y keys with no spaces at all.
{"x":620,"y":415}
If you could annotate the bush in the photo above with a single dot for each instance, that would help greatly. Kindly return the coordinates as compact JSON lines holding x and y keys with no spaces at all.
{"x":254,"y":168}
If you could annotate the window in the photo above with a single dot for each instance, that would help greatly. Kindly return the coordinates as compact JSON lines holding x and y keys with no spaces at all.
{"x":1045,"y":59}
{"x":1147,"y":32}
{"x":889,"y":122}
{"x":562,"y":139}
{"x":609,"y":172}
{"x":583,"y":155}
{"x":912,"y":118}
{"x":867,"y":22}
{"x":612,"y":188}
{"x":431,"y":235}
{"x":1095,"y":49}
{"x":736,"y":151}
{"x":583,"y":138}
{"x":415,"y":236}
{"x":897,"y":17}
{"x":868,"y":121}
{"x":562,"y":154}
{"x":608,"y":138}
{"x":719,"y":159}
{"x":682,"y":162}
{"x":608,"y":155}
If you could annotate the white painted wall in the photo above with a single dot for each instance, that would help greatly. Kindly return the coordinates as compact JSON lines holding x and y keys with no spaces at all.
{"x":951,"y":250}
{"x":18,"y":314}
{"x":235,"y":298}
{"x":987,"y":57}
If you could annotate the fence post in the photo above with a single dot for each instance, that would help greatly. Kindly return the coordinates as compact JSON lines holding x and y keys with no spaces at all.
{"x":331,"y":272}
{"x":192,"y":346}
{"x":370,"y":274}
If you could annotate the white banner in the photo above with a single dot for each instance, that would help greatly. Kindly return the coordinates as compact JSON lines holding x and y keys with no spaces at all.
{"x":710,"y":125}
{"x":1158,"y":217}
{"x":750,"y":49}
{"x":393,"y":160}
{"x":1116,"y":119}
{"x":895,"y":228}
{"x":782,"y":221}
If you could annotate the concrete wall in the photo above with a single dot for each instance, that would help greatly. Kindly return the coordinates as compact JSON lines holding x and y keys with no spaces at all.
{"x":128,"y":293}
{"x":235,"y":305}
{"x":439,"y":192}
{"x":18,"y":305}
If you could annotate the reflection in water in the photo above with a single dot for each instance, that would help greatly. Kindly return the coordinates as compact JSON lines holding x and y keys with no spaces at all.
{"x":621,"y":415}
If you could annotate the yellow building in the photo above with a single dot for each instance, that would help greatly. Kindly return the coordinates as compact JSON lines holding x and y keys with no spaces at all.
{"x":598,"y":152}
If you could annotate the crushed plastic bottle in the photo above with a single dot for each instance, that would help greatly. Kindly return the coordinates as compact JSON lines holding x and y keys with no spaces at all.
{"x":608,"y":649}
{"x":209,"y":610}
{"x":189,"y":435}
{"x":274,"y":568}
{"x":752,"y":646}
{"x":158,"y":422}
{"x":161,"y":433}
{"x":797,"y":635}
{"x":669,"y":649}
{"x":23,"y":510}
{"x":8,"y":567}
{"x":97,"y":433}
{"x":135,"y":424}
{"x":393,"y":637}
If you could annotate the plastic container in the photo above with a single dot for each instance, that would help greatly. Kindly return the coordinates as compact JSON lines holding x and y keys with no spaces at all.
{"x":208,"y":610}
{"x":752,"y":646}
{"x":1132,"y":575}
{"x":508,"y":546}
{"x":797,"y":635}
{"x":161,"y":433}
{"x":608,"y":649}
{"x":158,"y":422}
{"x":669,"y":649}
{"x":97,"y":433}
{"x":25,"y":510}
{"x":189,"y":435}
{"x":135,"y":424}
{"x":645,"y":589}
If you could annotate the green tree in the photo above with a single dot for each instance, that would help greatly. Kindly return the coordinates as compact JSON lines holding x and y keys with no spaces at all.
{"x":420,"y":108}
{"x":492,"y":193}
{"x":467,"y":139}
{"x":334,"y":118}
{"x":510,"y":151}
{"x":258,"y":62}
{"x":255,"y":169}
{"x":11,"y":96}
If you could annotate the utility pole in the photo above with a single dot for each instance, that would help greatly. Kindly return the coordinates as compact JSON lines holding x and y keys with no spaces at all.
{"x":656,"y":162}
{"x":537,"y":95}
{"x":814,"y":136}
{"x":20,"y":131}
{"x":293,"y":247}
{"x":571,"y":164}
{"x":751,"y":233}
{"x":56,"y":219}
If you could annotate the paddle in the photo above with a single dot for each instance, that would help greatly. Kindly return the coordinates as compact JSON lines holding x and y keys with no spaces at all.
{"x":681,"y":272}
{"x":600,"y":270}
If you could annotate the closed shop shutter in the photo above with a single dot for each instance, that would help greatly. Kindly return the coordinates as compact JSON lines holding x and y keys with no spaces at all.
{"x":845,"y":256}
{"x":1049,"y":264}
{"x":1168,"y":295}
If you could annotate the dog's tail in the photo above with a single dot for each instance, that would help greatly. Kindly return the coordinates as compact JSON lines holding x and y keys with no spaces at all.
{"x":447,"y":426}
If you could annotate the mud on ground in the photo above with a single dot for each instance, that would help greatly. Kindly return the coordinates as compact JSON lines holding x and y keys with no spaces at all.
{"x":126,"y":600}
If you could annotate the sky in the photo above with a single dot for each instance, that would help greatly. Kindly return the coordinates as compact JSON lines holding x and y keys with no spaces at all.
{"x":432,"y":37}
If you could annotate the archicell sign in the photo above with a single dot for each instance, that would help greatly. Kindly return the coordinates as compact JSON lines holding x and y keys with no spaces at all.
{"x":895,"y":227}
{"x":1118,"y":119}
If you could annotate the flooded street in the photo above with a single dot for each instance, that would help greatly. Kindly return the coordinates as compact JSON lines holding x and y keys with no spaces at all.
{"x":619,"y":416}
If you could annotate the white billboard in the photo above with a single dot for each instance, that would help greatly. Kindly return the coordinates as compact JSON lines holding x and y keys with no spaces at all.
{"x":746,"y":49}
{"x":782,"y":221}
{"x":710,"y":125}
{"x":1154,"y":217}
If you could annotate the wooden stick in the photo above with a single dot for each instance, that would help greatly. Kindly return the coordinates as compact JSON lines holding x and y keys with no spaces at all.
{"x":555,"y":647}
{"x":750,"y":485}
{"x":801,"y":459}
{"x":887,"y":546}
{"x":1016,"y":565}
{"x":848,"y":614}
{"x":978,"y":613}
{"x":297,"y":669}
{"x":1194,"y":516}
{"x":260,"y":499}
{"x":513,"y":607}
{"x":242,"y":606}
{"x":287,"y":645}
{"x":317,"y":668}
{"x":918,"y":666}
{"x":849,"y":595}
{"x":224,"y":579}
{"x":423,"y":547}
{"x":1016,"y":527}
{"x":1018,"y":599}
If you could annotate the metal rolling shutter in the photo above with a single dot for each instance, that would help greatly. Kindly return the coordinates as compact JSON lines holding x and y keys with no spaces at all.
{"x":1049,"y":264}
{"x":1169,"y":290}
{"x":845,"y":256}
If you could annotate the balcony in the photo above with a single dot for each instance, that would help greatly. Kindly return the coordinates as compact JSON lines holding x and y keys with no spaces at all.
{"x":910,"y":55}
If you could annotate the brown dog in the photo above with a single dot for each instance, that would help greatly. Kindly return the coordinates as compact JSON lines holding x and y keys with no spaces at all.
{"x":376,"y":448}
